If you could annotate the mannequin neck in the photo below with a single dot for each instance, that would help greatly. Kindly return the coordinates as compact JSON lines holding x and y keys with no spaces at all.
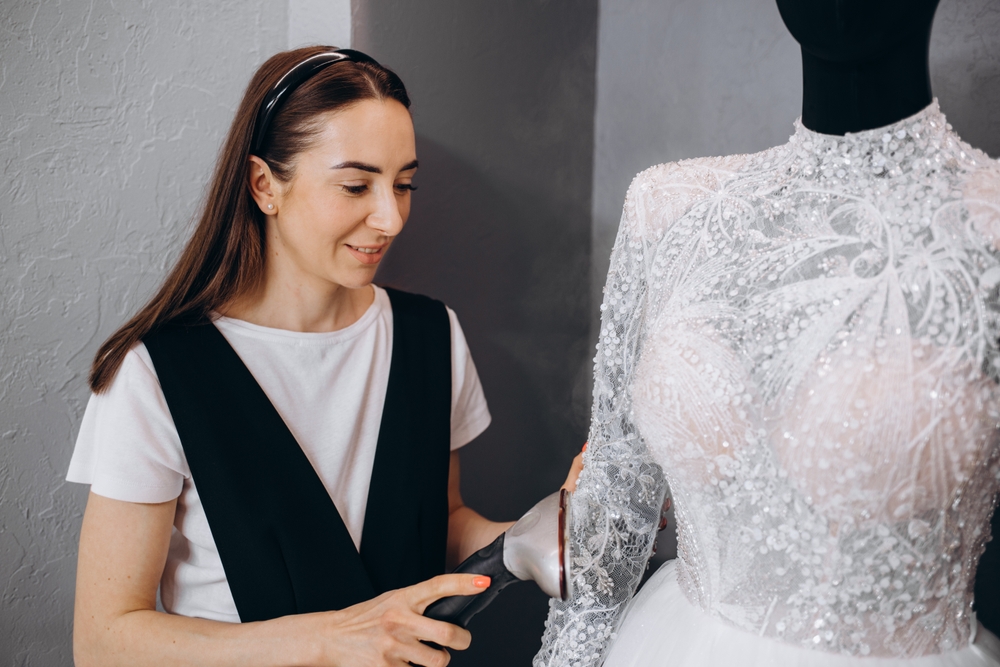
{"x":850,"y":97}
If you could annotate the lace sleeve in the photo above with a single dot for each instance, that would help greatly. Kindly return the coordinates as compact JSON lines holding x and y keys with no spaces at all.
{"x":616,"y":507}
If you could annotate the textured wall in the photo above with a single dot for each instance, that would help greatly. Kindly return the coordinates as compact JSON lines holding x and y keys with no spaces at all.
{"x":689,"y":78}
{"x":319,"y":22}
{"x":110,"y":117}
{"x":503,"y":101}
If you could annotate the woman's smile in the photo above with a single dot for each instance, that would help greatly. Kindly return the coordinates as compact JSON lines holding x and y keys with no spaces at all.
{"x":367,"y":254}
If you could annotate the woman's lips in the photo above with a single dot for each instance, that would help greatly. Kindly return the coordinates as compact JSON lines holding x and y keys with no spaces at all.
{"x":367,"y":254}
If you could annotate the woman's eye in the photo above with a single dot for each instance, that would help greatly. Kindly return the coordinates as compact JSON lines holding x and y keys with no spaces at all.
{"x":406,"y":187}
{"x":355,"y":189}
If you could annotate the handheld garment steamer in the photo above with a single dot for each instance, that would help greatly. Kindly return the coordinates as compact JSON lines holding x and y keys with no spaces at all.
{"x":536,"y":548}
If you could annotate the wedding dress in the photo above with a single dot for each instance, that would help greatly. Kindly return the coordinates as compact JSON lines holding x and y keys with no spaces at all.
{"x":804,"y":342}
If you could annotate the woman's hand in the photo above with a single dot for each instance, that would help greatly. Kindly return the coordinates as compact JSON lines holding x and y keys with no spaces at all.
{"x":123,"y":549}
{"x":389,"y":630}
{"x":574,"y":470}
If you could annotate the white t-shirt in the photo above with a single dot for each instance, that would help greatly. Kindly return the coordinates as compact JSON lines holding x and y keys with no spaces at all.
{"x":329,"y":389}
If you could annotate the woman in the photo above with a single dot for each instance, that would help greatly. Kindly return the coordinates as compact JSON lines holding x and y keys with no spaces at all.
{"x":805,"y":341}
{"x":318,"y":414}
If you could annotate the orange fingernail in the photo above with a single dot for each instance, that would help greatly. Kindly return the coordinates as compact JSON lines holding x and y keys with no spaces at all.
{"x":481,"y":582}
{"x":585,"y":446}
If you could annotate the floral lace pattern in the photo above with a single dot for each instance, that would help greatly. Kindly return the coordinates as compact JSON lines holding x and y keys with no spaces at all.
{"x":804,"y":340}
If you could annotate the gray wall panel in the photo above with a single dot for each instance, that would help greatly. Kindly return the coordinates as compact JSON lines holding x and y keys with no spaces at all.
{"x":682,"y":79}
{"x":503,"y":102}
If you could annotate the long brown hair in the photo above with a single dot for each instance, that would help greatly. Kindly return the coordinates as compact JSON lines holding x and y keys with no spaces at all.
{"x":224,"y":259}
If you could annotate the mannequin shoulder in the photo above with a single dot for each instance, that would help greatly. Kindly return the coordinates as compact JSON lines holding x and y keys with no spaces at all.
{"x":703,"y":174}
{"x":977,"y":171}
{"x":984,"y":178}
{"x":981,"y":193}
{"x":663,"y":193}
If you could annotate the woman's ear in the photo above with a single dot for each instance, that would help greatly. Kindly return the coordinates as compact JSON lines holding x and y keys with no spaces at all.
{"x":262,"y":185}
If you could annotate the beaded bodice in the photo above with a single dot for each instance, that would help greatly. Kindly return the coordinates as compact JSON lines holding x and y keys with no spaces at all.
{"x":805,"y":340}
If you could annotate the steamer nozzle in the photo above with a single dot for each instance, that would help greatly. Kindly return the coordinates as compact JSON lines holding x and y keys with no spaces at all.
{"x":536,"y":548}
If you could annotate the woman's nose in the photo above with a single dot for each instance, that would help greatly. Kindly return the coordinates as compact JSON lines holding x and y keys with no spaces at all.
{"x":386,"y":218}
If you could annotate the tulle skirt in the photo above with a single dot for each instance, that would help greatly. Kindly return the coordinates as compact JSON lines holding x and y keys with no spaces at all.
{"x":663,"y":629}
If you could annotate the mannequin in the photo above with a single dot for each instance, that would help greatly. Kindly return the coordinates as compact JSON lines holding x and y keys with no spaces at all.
{"x":805,"y":341}
{"x":869,"y":71}
{"x":864,"y":64}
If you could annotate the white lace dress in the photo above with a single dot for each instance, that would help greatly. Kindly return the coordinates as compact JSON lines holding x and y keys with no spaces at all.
{"x":804,"y":342}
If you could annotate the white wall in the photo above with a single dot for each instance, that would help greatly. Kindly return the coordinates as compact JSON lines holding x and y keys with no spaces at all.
{"x":319,"y":22}
{"x":111,"y":114}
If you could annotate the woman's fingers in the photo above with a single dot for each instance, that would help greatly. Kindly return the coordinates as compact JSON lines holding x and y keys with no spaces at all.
{"x":445,"y":585}
{"x":441,"y":633}
{"x":423,"y":655}
{"x":574,"y":471}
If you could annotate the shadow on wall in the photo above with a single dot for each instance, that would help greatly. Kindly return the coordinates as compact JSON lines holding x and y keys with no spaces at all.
{"x":503,"y":104}
{"x":482,"y":251}
{"x":485,"y":253}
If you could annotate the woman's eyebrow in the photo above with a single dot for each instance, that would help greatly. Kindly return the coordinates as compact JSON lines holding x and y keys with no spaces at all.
{"x":372,"y":168}
{"x":358,"y":165}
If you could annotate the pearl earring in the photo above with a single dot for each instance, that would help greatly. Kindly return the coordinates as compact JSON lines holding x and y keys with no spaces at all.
{"x":270,"y":206}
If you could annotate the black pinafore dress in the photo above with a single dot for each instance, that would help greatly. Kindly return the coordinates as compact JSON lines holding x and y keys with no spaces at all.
{"x":282,"y":542}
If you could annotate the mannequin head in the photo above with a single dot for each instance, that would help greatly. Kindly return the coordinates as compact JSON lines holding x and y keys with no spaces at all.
{"x":857,"y":31}
{"x":864,"y":62}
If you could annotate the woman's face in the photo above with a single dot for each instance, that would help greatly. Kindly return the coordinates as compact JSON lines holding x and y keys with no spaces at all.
{"x":348,"y":198}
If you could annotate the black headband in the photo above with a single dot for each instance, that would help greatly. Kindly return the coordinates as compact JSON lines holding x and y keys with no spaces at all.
{"x":294,"y":78}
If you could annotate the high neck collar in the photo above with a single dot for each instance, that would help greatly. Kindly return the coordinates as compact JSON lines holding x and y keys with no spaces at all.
{"x":883,"y":151}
